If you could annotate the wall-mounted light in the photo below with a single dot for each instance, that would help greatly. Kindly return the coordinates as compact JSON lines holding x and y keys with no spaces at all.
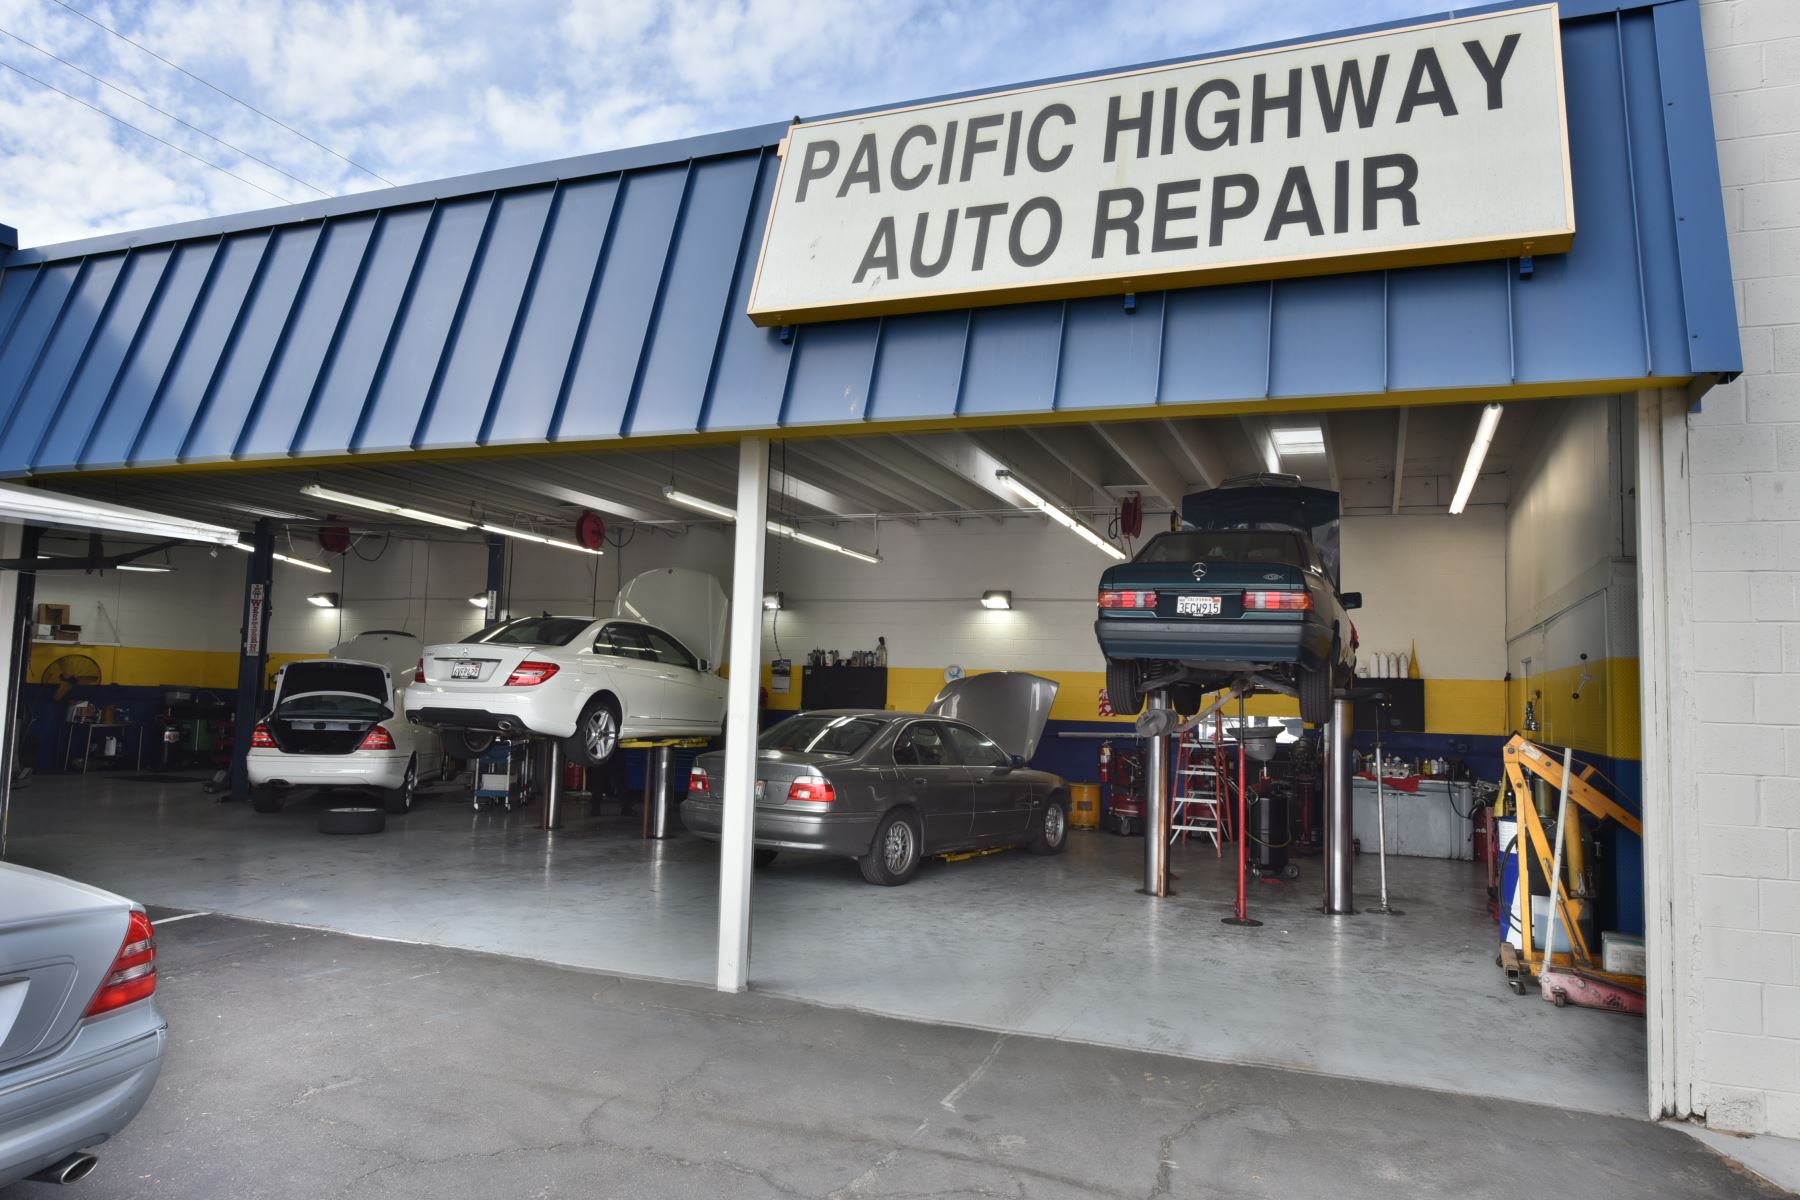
{"x":323,"y":599}
{"x":1484,"y":437}
{"x":479,"y":599}
{"x":771,"y":601}
{"x":996,"y":599}
{"x":1067,"y":520}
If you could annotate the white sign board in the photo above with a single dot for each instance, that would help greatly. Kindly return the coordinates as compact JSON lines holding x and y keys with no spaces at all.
{"x":1443,"y":142}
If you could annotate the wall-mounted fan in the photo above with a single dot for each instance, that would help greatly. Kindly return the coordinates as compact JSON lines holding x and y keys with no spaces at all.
{"x":71,"y":672}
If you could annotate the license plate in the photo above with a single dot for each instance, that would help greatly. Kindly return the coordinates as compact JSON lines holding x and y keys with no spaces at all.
{"x":1199,"y":606}
{"x":466,"y":668}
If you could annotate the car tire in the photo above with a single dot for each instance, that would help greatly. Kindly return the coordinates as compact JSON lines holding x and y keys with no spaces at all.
{"x":1122,"y":687}
{"x":761,"y":857}
{"x":360,"y":819}
{"x":893,"y":856}
{"x":399,"y":801}
{"x":1052,"y":836}
{"x":267,"y":800}
{"x":1315,"y":695}
{"x":467,"y":743}
{"x":596,"y":736}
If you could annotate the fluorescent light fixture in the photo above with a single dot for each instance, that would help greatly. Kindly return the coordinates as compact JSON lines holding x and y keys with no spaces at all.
{"x":676,"y":496}
{"x":1484,"y":437}
{"x":698,"y":505}
{"x":1066,"y":519}
{"x":527,"y":536}
{"x":323,"y":599}
{"x":288,"y":559}
{"x":382,"y":506}
{"x":147,"y":568}
{"x":479,"y":600}
{"x":32,"y":506}
{"x":1308,"y":440}
{"x":996,"y":599}
{"x":771,"y":601}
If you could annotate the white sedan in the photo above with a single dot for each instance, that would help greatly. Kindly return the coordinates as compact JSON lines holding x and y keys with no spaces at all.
{"x":337,"y":723}
{"x":590,"y":681}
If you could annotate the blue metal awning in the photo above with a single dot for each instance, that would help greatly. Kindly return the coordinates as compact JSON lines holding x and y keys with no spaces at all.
{"x":603,"y":297}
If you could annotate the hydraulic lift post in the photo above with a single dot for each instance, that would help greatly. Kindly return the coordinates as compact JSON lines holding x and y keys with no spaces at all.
{"x":1156,"y":796}
{"x":253,"y":651}
{"x":1340,"y":847}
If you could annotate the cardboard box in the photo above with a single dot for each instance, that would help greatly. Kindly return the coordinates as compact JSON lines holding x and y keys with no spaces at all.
{"x":53,"y":614}
{"x":44,"y":633}
{"x":68,"y":633}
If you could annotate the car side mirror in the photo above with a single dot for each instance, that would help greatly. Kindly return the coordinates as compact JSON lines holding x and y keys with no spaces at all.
{"x":1013,"y":763}
{"x":1351,"y":600}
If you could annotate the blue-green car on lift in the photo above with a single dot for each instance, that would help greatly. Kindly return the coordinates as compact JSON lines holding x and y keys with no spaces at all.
{"x":1247,"y":587}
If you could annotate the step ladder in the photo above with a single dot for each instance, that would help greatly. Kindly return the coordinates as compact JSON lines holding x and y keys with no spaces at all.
{"x":1200,"y":805}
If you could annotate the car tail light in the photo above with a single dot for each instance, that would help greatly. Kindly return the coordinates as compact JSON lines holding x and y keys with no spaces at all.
{"x":1277,"y":602}
{"x":530,"y":673}
{"x":261,"y":738}
{"x":1127,"y":599}
{"x":419,"y":672}
{"x":377,"y":738}
{"x":699,"y":783}
{"x":133,"y":974}
{"x":814,"y":788}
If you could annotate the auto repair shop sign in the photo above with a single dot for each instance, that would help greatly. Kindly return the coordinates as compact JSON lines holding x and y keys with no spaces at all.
{"x":1442,"y":142}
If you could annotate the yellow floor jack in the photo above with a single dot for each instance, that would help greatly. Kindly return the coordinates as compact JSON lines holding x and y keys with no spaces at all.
{"x":1573,"y":977}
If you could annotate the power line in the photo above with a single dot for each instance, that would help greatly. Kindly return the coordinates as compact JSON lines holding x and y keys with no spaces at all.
{"x":127,"y":124}
{"x":215,"y":87}
{"x":153,"y":108}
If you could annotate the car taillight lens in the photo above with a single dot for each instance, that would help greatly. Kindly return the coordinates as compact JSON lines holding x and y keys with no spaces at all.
{"x":378,"y":738}
{"x":816,"y":790}
{"x":261,"y":739}
{"x":699,"y":783}
{"x":530,"y":673}
{"x":419,"y":672}
{"x":133,"y":974}
{"x":1127,"y":599}
{"x":1277,"y":602}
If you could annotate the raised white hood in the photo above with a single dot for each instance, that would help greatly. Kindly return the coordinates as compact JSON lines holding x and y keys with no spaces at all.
{"x":1009,"y":706}
{"x":689,"y":604}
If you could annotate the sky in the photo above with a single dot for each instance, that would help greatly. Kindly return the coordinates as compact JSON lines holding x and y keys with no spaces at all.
{"x":355,"y":93}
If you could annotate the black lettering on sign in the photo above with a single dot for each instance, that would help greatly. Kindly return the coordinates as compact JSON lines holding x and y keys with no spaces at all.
{"x":1160,"y":238}
{"x":949,"y":154}
{"x":1374,"y":191}
{"x":897,"y":166}
{"x":883,"y":253}
{"x":862,"y":168}
{"x":976,"y":143}
{"x":1015,"y":238}
{"x":1294,"y":206}
{"x":1117,"y":123}
{"x":1425,"y":63}
{"x":982,"y":215}
{"x":920,"y":267}
{"x":1349,"y":89}
{"x":1492,"y":72}
{"x":1226,"y":118}
{"x":1340,"y":196}
{"x":1168,"y":124}
{"x":820,"y":162}
{"x":1012,"y":141}
{"x":1106,"y":221}
{"x":1261,"y":104}
{"x":1224,"y":210}
{"x":1034,"y":152}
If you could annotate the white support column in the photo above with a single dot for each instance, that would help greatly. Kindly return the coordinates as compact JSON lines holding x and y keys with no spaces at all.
{"x":10,"y":639}
{"x":738,"y":822}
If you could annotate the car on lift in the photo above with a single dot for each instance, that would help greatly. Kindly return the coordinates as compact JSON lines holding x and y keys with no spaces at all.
{"x":888,"y":789}
{"x":81,"y":1040}
{"x":590,"y":681}
{"x":337,"y":722}
{"x":1247,"y":588}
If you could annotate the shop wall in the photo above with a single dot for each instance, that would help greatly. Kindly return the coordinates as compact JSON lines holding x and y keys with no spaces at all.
{"x":1739,"y":681}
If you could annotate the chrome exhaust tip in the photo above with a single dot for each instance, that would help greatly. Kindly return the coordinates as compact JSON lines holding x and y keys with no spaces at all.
{"x":73,"y":1169}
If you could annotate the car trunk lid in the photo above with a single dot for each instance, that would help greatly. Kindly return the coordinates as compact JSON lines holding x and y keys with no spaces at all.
{"x":327,"y":706}
{"x":58,"y":940}
{"x":474,"y":664}
{"x":1012,"y":707}
{"x":689,"y":604}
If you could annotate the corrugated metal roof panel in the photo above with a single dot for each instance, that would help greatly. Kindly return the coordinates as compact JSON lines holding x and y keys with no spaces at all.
{"x":603,"y":297}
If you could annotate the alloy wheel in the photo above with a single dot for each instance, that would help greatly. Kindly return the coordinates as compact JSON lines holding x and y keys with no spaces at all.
{"x":1054,"y":825}
{"x":602,"y":734}
{"x":897,"y":848}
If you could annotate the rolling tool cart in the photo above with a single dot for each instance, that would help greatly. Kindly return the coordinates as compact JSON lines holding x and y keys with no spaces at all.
{"x":503,"y":777}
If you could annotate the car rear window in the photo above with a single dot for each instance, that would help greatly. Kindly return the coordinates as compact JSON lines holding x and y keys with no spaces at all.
{"x":533,"y":631}
{"x":820,"y":733}
{"x":1225,"y":545}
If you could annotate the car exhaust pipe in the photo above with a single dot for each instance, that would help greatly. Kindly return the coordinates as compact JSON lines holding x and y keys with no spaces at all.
{"x":508,"y":727}
{"x":73,"y":1169}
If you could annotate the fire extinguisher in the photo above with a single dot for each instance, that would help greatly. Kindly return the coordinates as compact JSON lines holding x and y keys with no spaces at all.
{"x":1478,"y":840}
{"x":1105,"y":762}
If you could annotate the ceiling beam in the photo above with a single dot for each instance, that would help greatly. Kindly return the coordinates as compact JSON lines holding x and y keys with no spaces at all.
{"x":1399,"y":458}
{"x":1137,"y":445}
{"x":1084,"y":456}
{"x":921,"y":460}
{"x":1262,"y":446}
{"x":1202,"y":452}
{"x":1028,"y":459}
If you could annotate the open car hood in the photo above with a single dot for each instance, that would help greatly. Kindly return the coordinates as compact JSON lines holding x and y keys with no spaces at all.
{"x":1009,"y":706}
{"x":689,"y":604}
{"x":391,"y":649}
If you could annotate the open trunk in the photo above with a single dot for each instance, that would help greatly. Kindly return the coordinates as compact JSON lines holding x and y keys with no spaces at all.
{"x":328,"y":707}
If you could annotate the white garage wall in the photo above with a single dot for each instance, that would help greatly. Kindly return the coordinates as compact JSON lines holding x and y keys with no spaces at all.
{"x":1439,"y":581}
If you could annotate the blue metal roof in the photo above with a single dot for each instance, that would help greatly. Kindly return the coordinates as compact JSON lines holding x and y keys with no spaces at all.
{"x":603,"y":297}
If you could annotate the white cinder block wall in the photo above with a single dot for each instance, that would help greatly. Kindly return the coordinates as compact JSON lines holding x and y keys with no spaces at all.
{"x":1744,"y":496}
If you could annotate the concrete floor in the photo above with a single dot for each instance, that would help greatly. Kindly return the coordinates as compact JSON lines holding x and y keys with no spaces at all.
{"x":1061,"y":947}
{"x":305,"y":1064}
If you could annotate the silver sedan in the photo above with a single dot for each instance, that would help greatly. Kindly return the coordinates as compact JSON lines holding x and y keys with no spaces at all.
{"x":81,"y":1040}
